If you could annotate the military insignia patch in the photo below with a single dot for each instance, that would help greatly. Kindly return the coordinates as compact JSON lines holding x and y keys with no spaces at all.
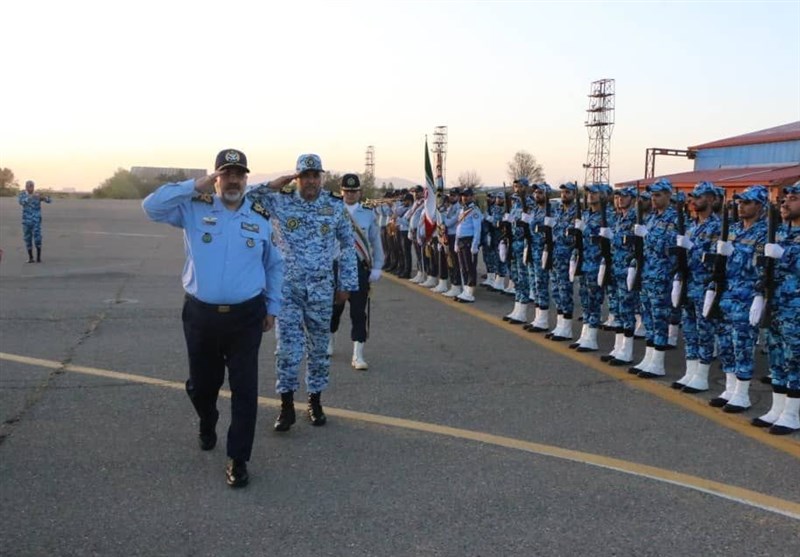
{"x":206,"y":238}
{"x":211,"y":221}
{"x":351,"y":181}
{"x":325,"y":228}
{"x":261,"y":210}
{"x":250,"y":227}
{"x":250,"y":242}
{"x":204,"y":198}
{"x":326,"y":211}
{"x":287,"y":189}
{"x":231,"y":156}
{"x":292,"y":223}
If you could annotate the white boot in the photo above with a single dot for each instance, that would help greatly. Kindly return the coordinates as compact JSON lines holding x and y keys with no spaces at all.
{"x":489,"y":279}
{"x":618,"y":338}
{"x":789,"y":420}
{"x":656,"y":367}
{"x":672,"y":335}
{"x":499,"y":283}
{"x":330,"y":345}
{"x":589,"y":344}
{"x":625,"y":353}
{"x":520,"y":315}
{"x":645,"y":363}
{"x":418,"y":278}
{"x":565,"y":333}
{"x":454,"y":291}
{"x":639,"y":331}
{"x":358,"y":356}
{"x":691,"y":368}
{"x":778,"y":402}
{"x":557,"y":328}
{"x":611,"y":323}
{"x":510,"y":288}
{"x":740,"y":401}
{"x":514,"y":311}
{"x":430,"y":282}
{"x":727,"y":394}
{"x":442,"y":287}
{"x":698,"y":383}
{"x":539,"y":324}
{"x":582,"y":338}
{"x":467,"y":295}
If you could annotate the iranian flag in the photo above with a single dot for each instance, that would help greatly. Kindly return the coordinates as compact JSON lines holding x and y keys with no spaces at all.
{"x":431,"y":214}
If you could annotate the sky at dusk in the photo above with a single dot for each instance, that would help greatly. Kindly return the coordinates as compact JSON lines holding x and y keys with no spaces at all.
{"x":90,"y":87}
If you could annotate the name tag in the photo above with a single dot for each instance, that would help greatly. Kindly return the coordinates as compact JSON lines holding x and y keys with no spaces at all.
{"x":211,"y":221}
{"x":250,"y":226}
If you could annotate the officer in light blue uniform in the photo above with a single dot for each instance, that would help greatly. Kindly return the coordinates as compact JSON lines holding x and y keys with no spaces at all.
{"x":699,"y":332}
{"x":32,"y":220}
{"x":737,"y":336}
{"x":468,"y":241}
{"x":783,"y":335}
{"x":370,"y":262}
{"x":313,"y":223}
{"x":232,"y":277}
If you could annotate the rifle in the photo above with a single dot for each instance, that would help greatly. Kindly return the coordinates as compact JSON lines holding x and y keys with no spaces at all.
{"x":547,"y":231}
{"x":605,"y":246}
{"x":719,"y":264}
{"x":766,"y":284}
{"x":637,"y":261}
{"x":506,"y":233}
{"x":526,"y":230}
{"x":577,"y":234}
{"x":681,"y":275}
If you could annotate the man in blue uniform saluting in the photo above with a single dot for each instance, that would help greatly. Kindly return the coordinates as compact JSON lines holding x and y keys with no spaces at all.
{"x":232,"y":277}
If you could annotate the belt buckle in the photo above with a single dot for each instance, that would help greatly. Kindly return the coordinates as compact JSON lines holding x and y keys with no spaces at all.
{"x":223,"y":309}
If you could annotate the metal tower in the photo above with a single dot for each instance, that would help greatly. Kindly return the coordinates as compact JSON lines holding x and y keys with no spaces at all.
{"x":439,"y":155}
{"x":369,"y":163}
{"x":600,"y":124}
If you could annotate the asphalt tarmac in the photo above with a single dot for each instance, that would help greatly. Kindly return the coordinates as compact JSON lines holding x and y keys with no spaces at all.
{"x":466,"y":436}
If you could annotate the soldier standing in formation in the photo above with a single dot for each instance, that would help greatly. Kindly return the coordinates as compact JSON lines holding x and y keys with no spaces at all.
{"x":32,"y":219}
{"x":314,"y":227}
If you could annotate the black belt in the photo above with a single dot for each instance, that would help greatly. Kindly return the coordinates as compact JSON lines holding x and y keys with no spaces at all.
{"x":226,"y":308}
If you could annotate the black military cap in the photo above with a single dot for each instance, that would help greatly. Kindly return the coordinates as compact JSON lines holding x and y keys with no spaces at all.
{"x":231,"y":157}
{"x":467,"y":191}
{"x":351,"y":182}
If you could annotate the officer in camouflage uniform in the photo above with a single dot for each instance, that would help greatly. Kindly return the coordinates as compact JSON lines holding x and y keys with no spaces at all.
{"x":699,"y":332}
{"x":563,"y":245}
{"x":32,"y":220}
{"x":495,"y":217}
{"x":783,"y":335}
{"x":737,"y":337}
{"x":540,"y":277}
{"x":311,"y":222}
{"x":490,"y":258}
{"x":516,"y":260}
{"x":659,"y":235}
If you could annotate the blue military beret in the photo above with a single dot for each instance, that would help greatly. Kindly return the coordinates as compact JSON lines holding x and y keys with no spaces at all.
{"x":544,"y":186}
{"x":499,"y":195}
{"x":523,"y":181}
{"x":794,"y":188}
{"x":703,"y":188}
{"x":596,"y":188}
{"x":644,"y":195}
{"x":629,"y":191}
{"x":572,"y":186}
{"x":308,"y":162}
{"x":758,"y":193}
{"x":662,"y":184}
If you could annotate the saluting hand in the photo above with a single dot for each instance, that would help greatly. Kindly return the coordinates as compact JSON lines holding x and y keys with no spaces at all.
{"x":278,"y":183}
{"x":206,"y":183}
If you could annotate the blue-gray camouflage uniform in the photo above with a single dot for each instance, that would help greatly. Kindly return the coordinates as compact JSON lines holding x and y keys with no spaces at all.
{"x":32,"y":218}
{"x":563,"y":246}
{"x":783,"y":335}
{"x":625,"y":303}
{"x":539,"y":278}
{"x":519,"y":270}
{"x":591,"y":293}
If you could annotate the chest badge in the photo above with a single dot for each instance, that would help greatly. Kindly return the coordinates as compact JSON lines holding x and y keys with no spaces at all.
{"x":292,"y":223}
{"x":250,"y":227}
{"x":327,"y":211}
{"x":206,"y":238}
{"x":325,"y":228}
{"x":211,"y":221}
{"x":250,"y":242}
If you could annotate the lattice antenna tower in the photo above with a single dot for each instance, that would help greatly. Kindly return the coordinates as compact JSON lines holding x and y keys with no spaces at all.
{"x":599,"y":123}
{"x":439,"y":155}
{"x":369,"y":163}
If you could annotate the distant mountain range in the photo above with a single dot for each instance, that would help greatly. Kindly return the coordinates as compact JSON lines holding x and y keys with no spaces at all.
{"x":398,"y":183}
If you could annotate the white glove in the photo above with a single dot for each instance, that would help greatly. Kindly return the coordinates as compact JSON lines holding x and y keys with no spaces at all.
{"x":724,"y":248}
{"x":774,"y":251}
{"x":677,"y":287}
{"x":549,"y":221}
{"x":684,"y":242}
{"x":756,"y":310}
{"x":545,"y":258}
{"x":374,"y":275}
{"x":579,"y":224}
{"x":630,"y":280}
{"x":708,"y":302}
{"x":605,"y":232}
{"x":527,"y":217}
{"x":507,"y":217}
{"x":601,"y":274}
{"x":640,"y":230}
{"x":573,"y":267}
{"x":474,"y":251}
{"x":502,"y":251}
{"x":410,"y":235}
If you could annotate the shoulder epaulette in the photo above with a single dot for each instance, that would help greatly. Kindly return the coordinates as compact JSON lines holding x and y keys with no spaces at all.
{"x":204,"y":198}
{"x":261,"y":210}
{"x":287,"y":189}
{"x":336,"y":194}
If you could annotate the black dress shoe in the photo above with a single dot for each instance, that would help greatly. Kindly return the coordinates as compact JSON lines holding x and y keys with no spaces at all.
{"x":718,"y":402}
{"x":207,"y":441}
{"x":236,"y":473}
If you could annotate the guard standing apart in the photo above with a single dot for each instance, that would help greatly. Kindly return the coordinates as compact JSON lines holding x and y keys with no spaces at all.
{"x":232,"y":278}
{"x":312,"y":224}
{"x":370,"y":262}
{"x":468,"y":241}
{"x":32,"y":220}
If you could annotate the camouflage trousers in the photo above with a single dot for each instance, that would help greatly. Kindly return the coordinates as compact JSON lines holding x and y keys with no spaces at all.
{"x":699,"y":333}
{"x":591,"y":296}
{"x":563,"y":291}
{"x":519,"y":273}
{"x":657,"y":306}
{"x":783,"y":339}
{"x":737,"y":338}
{"x":32,"y":234}
{"x":624,"y":304}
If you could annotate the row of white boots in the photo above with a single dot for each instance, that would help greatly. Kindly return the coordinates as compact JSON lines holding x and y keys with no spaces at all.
{"x":465,"y":294}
